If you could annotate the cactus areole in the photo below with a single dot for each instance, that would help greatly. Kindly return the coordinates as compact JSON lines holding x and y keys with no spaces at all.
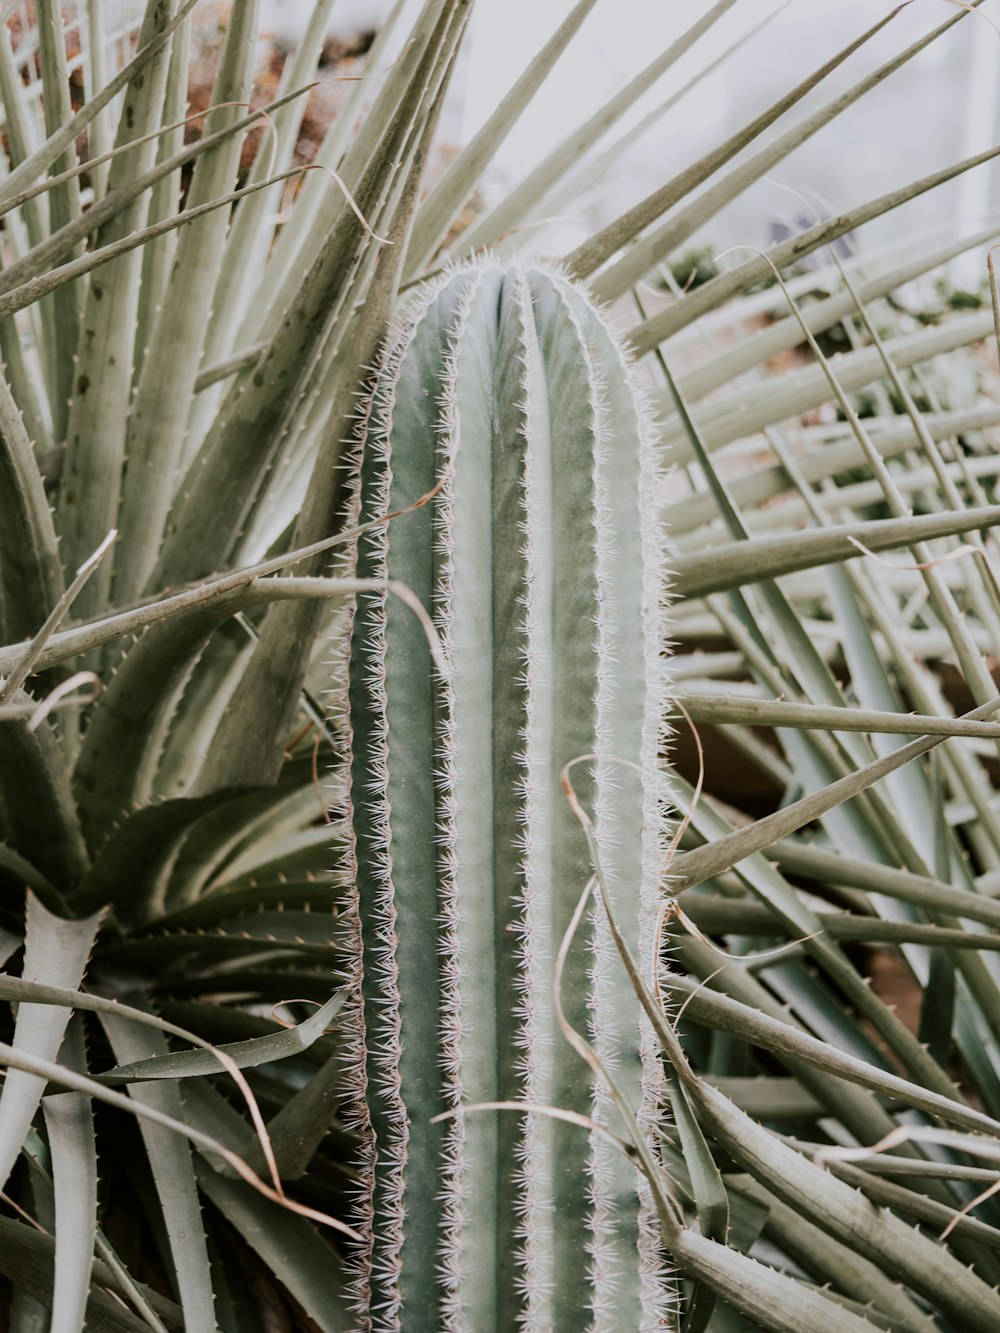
{"x":505,"y":394}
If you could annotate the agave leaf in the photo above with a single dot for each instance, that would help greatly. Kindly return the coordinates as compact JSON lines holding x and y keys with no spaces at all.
{"x":164,"y":198}
{"x":830,"y":1260}
{"x":250,"y":739}
{"x":725,"y":1014}
{"x":739,"y":415}
{"x":42,"y":257}
{"x":35,"y":288}
{"x":710,"y":1198}
{"x":159,"y":410}
{"x":70,"y":1126}
{"x":517,"y":204}
{"x":909,"y":1204}
{"x":641,"y":258}
{"x":346,"y":148}
{"x":445,"y":200}
{"x":877,"y":1234}
{"x":595,"y":251}
{"x":718,"y":915}
{"x":95,"y":75}
{"x":784,"y":332}
{"x":699,"y":573}
{"x":719,"y":289}
{"x":257,"y":405}
{"x":35,"y":166}
{"x":249,"y":242}
{"x":32,"y":570}
{"x":64,"y":205}
{"x":769,"y":1298}
{"x":101,"y":403}
{"x":291,"y":1248}
{"x":173,"y":1172}
{"x":602,"y":166}
{"x":719,"y":708}
{"x":56,"y":951}
{"x":693,"y":867}
{"x":245,"y":1054}
{"x":26,"y":1255}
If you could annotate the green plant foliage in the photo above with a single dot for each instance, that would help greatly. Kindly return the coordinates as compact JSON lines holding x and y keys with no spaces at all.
{"x":764,"y":1078}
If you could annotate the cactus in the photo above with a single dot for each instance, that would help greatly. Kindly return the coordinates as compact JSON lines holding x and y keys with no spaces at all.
{"x":506,"y":394}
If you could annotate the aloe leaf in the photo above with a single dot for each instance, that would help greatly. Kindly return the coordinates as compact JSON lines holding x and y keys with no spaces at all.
{"x":631,"y":267}
{"x":70,"y":1127}
{"x":246,"y":1055}
{"x":298,"y":1129}
{"x":600,"y":247}
{"x":299,"y":1258}
{"x":294,"y":1251}
{"x":24,"y":875}
{"x":55,"y":951}
{"x":130,"y":869}
{"x":121,"y":750}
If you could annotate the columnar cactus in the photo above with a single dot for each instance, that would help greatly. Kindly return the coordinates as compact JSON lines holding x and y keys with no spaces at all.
{"x":506,"y":395}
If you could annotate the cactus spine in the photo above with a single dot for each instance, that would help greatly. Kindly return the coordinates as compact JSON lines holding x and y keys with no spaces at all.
{"x":537,"y":556}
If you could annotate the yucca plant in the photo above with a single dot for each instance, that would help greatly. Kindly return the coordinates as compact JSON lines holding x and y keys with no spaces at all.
{"x":182,"y":766}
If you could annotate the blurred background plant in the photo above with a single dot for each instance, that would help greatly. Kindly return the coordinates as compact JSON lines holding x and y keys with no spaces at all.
{"x":187,"y":318}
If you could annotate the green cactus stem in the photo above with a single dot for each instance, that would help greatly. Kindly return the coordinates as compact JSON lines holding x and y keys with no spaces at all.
{"x":506,"y":394}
